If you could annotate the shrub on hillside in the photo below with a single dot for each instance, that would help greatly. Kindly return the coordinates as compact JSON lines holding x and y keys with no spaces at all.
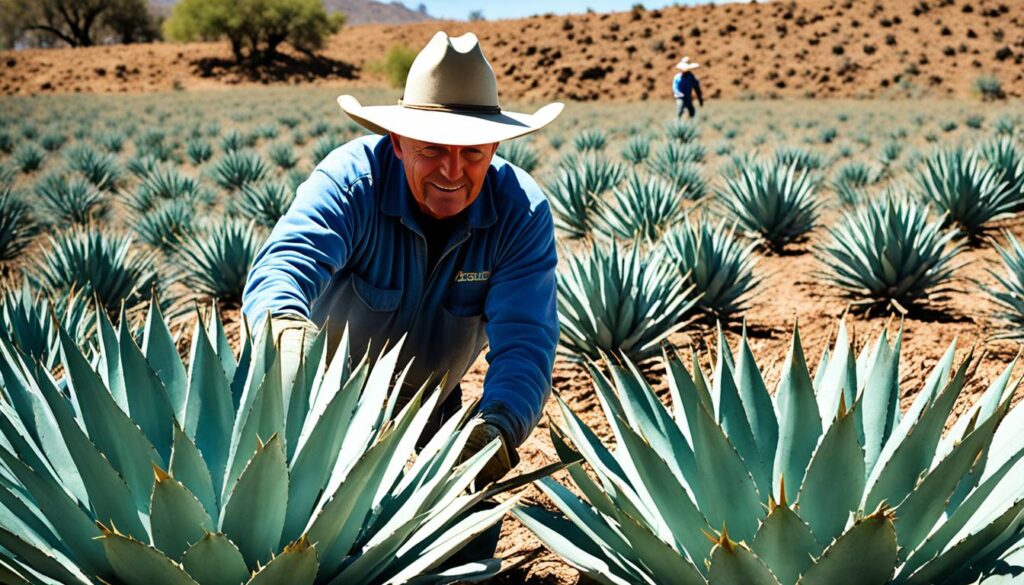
{"x":255,"y":28}
{"x":396,"y":65}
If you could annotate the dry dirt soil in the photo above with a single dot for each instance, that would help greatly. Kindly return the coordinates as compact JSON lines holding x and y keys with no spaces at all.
{"x":810,"y":48}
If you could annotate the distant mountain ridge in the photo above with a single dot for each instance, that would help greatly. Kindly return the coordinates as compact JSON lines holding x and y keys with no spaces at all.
{"x":371,"y":12}
{"x":356,"y":11}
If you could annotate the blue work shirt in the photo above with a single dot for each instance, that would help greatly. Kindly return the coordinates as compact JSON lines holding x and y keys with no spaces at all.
{"x":683,"y":84}
{"x":350,"y":250}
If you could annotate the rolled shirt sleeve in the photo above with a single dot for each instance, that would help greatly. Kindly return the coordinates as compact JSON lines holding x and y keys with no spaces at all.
{"x":522,"y":329}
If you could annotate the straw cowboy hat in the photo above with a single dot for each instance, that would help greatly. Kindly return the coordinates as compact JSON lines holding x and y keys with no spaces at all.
{"x":451,"y":97}
{"x":685,"y":64}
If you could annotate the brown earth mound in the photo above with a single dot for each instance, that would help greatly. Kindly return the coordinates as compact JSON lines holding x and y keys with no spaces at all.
{"x":821,"y":48}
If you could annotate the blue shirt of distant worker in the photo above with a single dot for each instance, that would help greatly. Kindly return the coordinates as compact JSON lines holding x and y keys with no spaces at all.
{"x":424,"y":233}
{"x":684,"y":85}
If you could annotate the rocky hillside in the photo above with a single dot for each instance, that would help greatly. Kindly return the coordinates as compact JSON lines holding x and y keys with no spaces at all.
{"x":819,"y":48}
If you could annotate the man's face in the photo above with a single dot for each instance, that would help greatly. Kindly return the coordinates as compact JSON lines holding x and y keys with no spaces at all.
{"x":444,"y":179}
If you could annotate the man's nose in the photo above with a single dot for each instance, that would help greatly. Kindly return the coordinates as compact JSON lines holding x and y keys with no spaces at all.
{"x":451,"y":167}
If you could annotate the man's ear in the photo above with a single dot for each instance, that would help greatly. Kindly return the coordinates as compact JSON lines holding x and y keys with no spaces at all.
{"x":396,"y":143}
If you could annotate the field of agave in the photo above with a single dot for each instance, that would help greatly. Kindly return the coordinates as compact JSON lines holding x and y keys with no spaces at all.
{"x":142,"y":425}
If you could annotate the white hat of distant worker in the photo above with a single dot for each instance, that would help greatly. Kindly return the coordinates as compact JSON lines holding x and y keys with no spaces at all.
{"x":685,"y":64}
{"x":451,"y":97}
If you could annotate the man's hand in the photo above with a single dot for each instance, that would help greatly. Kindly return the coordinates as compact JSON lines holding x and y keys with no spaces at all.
{"x":294,"y":335}
{"x":499,"y":465}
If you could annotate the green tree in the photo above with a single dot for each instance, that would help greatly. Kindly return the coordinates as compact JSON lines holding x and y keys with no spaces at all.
{"x":79,"y":23}
{"x":396,"y":64}
{"x":255,"y":28}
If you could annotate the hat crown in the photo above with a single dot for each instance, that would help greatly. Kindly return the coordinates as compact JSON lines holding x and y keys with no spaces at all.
{"x":451,"y":73}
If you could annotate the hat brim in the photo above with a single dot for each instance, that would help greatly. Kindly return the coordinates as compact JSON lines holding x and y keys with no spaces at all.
{"x":687,"y":66}
{"x":455,"y":128}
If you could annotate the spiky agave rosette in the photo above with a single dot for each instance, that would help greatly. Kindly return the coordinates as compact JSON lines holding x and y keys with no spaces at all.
{"x":880,"y":495}
{"x":140,"y":469}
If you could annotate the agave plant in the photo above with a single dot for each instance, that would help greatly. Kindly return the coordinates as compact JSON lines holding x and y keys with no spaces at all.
{"x":801,"y":158}
{"x":198,"y":151}
{"x":1009,"y":292}
{"x":167,"y":225}
{"x":217,"y":260}
{"x":325,"y":146}
{"x":637,"y":150}
{"x":265,"y":202}
{"x":772,"y":203}
{"x":96,"y":264}
{"x":851,"y":181}
{"x":251,"y":469}
{"x":643,"y":209}
{"x":99,"y":168}
{"x":681,"y":131}
{"x":17,"y":226}
{"x":283,"y":155}
{"x":968,"y":192}
{"x":519,"y":153}
{"x":687,"y":179}
{"x":28,"y":157}
{"x":826,"y":483}
{"x":73,"y":200}
{"x":714,"y":261}
{"x":889,"y":253}
{"x":1007,"y":159}
{"x":592,"y":140}
{"x":237,"y":168}
{"x":671,"y":156}
{"x":613,"y":303}
{"x":31,"y":321}
{"x":575,"y":194}
{"x":164,"y":183}
{"x":111,"y":141}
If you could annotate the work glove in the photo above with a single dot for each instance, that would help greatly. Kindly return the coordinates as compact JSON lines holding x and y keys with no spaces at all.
{"x":294,"y":335}
{"x":499,"y":465}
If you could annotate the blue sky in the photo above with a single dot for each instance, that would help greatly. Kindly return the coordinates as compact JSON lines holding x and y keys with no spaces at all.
{"x":460,"y":9}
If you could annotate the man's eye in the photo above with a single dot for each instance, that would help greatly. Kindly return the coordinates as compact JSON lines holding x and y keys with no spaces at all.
{"x":473,"y":155}
{"x":432,"y":151}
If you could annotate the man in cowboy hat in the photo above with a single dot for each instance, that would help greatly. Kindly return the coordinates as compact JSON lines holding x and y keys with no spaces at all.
{"x":419,"y":231}
{"x":683,"y":85}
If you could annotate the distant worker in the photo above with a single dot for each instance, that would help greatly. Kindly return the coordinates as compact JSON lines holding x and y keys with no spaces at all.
{"x":685,"y":83}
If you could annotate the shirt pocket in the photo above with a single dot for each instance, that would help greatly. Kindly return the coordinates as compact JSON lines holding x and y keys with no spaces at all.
{"x":466,"y":301}
{"x":377,"y":299}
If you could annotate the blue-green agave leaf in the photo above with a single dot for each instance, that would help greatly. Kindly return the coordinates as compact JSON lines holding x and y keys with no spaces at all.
{"x":215,"y":560}
{"x":147,"y":402}
{"x":162,"y":355}
{"x":254,"y":514}
{"x":799,"y":421}
{"x":188,"y":467}
{"x":209,"y":415}
{"x":785,"y":544}
{"x":733,"y":563}
{"x":834,"y":483}
{"x":864,"y":555}
{"x":177,"y":519}
{"x":296,"y":565}
{"x":122,"y":443}
{"x":138,"y":564}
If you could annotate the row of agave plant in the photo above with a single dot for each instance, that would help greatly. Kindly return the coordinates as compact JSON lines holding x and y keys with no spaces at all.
{"x":137,"y":466}
{"x":890,"y":250}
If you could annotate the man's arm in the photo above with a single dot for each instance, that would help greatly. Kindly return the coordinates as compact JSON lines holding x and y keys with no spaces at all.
{"x":311,"y":242}
{"x":522,"y":329}
{"x":696,"y":88}
{"x":677,"y":85}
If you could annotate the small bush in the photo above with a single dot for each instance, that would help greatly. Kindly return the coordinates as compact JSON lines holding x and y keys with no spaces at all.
{"x":395,"y":65}
{"x":988,"y":87}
